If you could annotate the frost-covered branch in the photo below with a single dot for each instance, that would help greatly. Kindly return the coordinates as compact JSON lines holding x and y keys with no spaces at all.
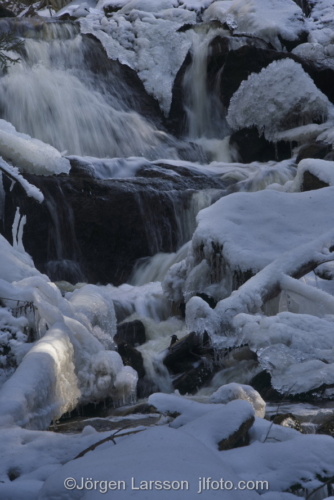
{"x":8,"y":42}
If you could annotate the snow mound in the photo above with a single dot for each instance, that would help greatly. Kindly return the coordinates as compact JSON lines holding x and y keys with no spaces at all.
{"x":30,"y":155}
{"x":267,"y":19}
{"x":233,"y":391}
{"x":280,"y":97}
{"x":243,"y":233}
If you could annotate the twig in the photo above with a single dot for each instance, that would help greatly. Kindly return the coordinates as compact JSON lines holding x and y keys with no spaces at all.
{"x":109,"y":438}
{"x":278,"y":407}
{"x":330,"y":480}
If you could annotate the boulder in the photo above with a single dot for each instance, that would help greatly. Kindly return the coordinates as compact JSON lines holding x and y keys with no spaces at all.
{"x":310,"y":182}
{"x":287,"y":420}
{"x":254,"y":147}
{"x":6,"y":13}
{"x":131,"y":357}
{"x":96,"y":230}
{"x":314,"y":150}
{"x":196,"y":377}
{"x":131,"y":332}
{"x":238,"y":438}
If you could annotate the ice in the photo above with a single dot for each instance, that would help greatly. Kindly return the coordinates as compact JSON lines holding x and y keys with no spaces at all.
{"x":272,"y":100}
{"x":30,"y":155}
{"x":14,"y":174}
{"x":297,"y":349}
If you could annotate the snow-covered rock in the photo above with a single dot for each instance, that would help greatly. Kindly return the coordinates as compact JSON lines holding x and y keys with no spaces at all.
{"x":230,"y":392}
{"x":272,"y":100}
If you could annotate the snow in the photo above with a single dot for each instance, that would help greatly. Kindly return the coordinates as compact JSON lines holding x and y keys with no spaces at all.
{"x":250,"y":237}
{"x":266,"y":19}
{"x":230,"y":392}
{"x":281,"y":105}
{"x":151,"y":45}
{"x":30,"y":155}
{"x":322,"y":169}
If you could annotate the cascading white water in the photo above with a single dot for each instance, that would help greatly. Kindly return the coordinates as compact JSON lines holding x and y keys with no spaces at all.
{"x":54,"y":96}
{"x":205,"y":113}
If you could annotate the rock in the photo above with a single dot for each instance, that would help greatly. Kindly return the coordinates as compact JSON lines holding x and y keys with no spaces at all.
{"x":145,"y":388}
{"x":187,"y":351}
{"x":233,"y":391}
{"x":192,"y":380}
{"x":242,"y":62}
{"x":96,"y":230}
{"x":142,"y":408}
{"x":238,"y":438}
{"x":287,"y":420}
{"x":313,"y":150}
{"x":131,"y":332}
{"x":6,"y":13}
{"x":253,"y":147}
{"x":177,"y":118}
{"x":310,"y":182}
{"x":131,"y":357}
{"x":327,"y":428}
{"x":262,"y":384}
{"x":208,"y":299}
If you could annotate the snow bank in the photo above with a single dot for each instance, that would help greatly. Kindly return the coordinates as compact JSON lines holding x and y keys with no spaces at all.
{"x":272,"y":100}
{"x":267,"y":19}
{"x":30,"y":155}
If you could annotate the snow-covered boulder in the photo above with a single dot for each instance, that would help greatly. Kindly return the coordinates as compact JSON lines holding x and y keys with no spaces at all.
{"x":271,"y":20}
{"x":241,"y":234}
{"x":230,"y":392}
{"x":280,"y":97}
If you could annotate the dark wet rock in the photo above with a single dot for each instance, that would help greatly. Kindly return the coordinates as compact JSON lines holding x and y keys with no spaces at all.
{"x":131,"y":357}
{"x":287,"y":420}
{"x":238,"y":438}
{"x":329,"y":156}
{"x":131,"y":332}
{"x":195,"y":378}
{"x":145,"y":388}
{"x":254,"y":147}
{"x":142,"y":408}
{"x":177,"y":119}
{"x":6,"y":12}
{"x":314,"y":150}
{"x":208,"y":299}
{"x":103,"y":226}
{"x":192,"y":359}
{"x":311,"y":181}
{"x":262,"y":384}
{"x":327,"y":427}
{"x":134,"y":93}
{"x":305,"y":5}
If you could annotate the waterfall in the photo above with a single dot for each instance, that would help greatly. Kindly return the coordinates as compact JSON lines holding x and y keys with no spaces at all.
{"x":205,"y":113}
{"x":58,"y":95}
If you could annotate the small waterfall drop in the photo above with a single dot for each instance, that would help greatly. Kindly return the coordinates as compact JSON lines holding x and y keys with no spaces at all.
{"x":205,"y":113}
